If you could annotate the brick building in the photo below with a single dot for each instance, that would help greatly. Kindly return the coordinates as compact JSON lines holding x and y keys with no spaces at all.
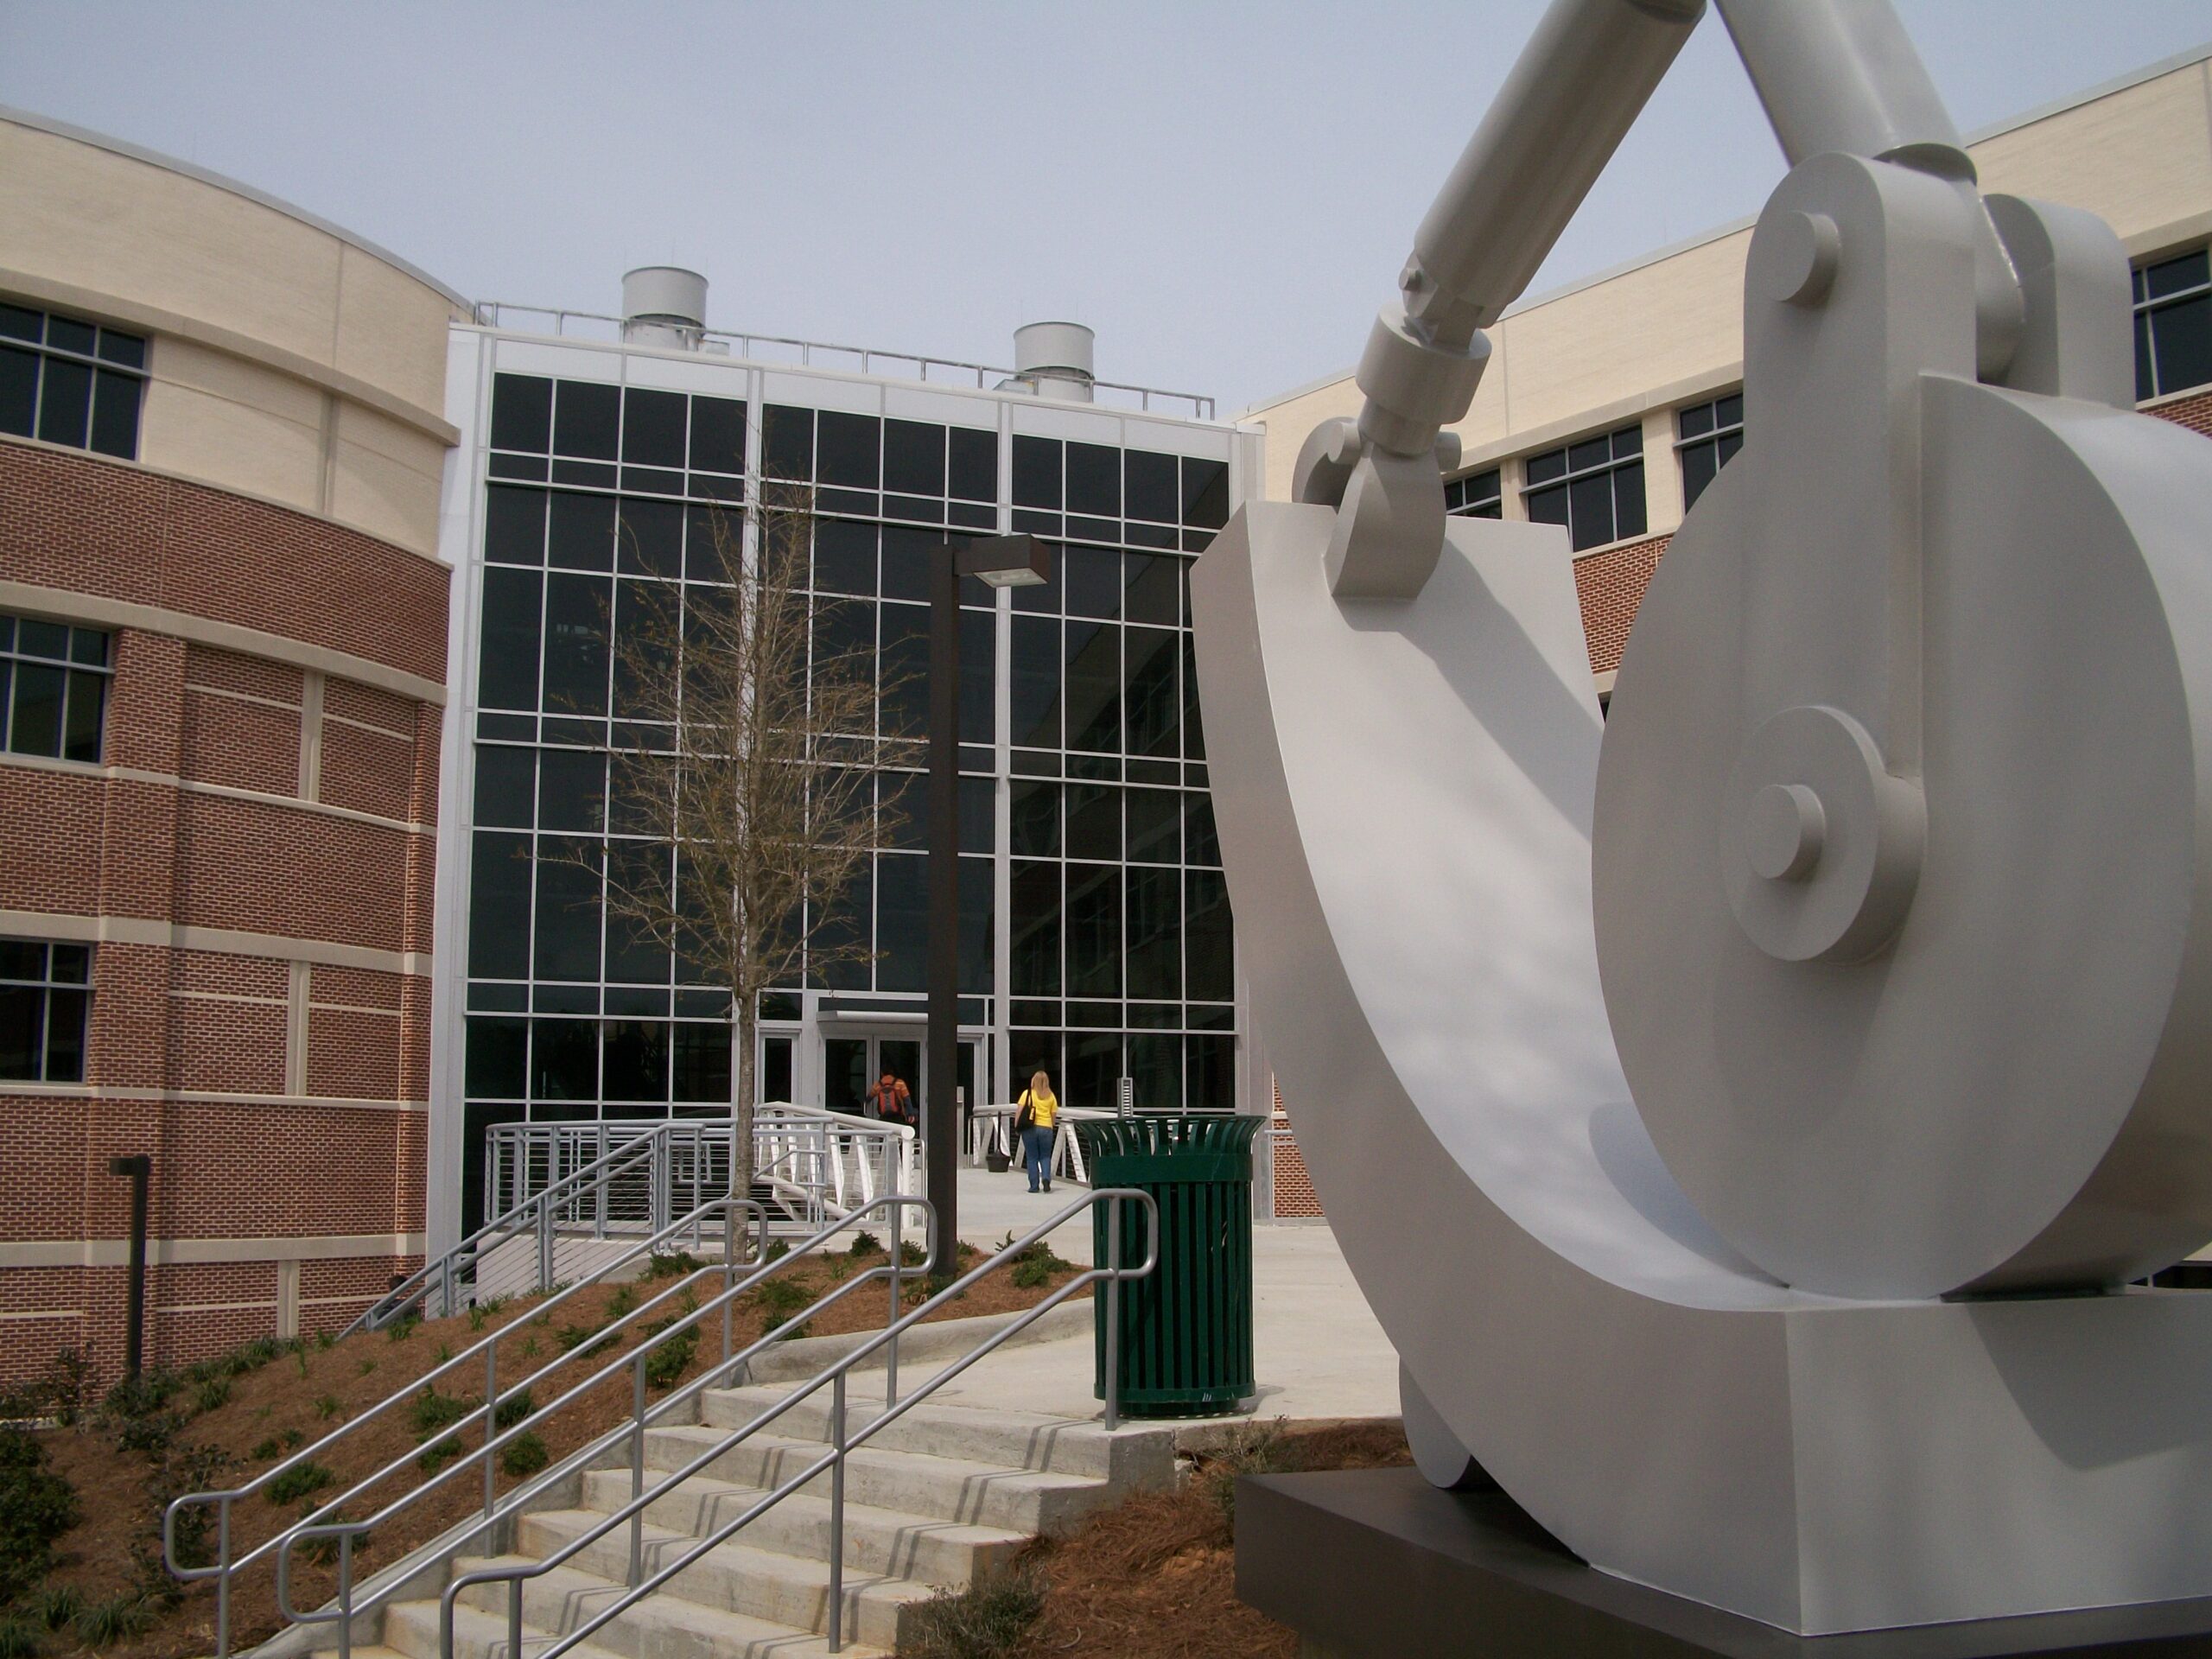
{"x":222,"y":663}
{"x":1608,"y":405}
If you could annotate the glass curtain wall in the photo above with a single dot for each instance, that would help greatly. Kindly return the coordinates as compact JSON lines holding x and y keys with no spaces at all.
{"x":1119,"y":931}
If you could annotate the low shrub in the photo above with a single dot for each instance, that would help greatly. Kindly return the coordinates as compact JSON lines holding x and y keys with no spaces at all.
{"x":864,"y":1245}
{"x":213,"y":1393}
{"x":271,"y":1447}
{"x":103,"y":1624}
{"x":583,"y":1340}
{"x":525,"y":1455}
{"x":186,"y":1468}
{"x":778,"y":1298}
{"x":58,"y":1605}
{"x":512,"y":1409}
{"x":403,"y":1327}
{"x":20,"y":1638}
{"x":671,"y":1264}
{"x":328,"y":1406}
{"x":323,"y":1549}
{"x":1250,"y":1449}
{"x":437,"y":1454}
{"x":36,"y":1507}
{"x":301,"y":1480}
{"x":667,"y":1362}
{"x":432,"y":1411}
{"x":63,"y":1392}
{"x":987,"y":1620}
{"x":911,"y":1255}
{"x":623,"y":1299}
{"x":1030,"y":1275}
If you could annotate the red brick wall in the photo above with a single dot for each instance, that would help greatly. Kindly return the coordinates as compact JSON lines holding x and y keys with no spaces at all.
{"x":85,"y":524}
{"x":175,"y":1031}
{"x":1293,"y":1183}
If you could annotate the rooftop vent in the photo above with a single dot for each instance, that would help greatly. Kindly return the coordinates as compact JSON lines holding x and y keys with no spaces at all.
{"x":664,"y":306}
{"x":1052,"y":359}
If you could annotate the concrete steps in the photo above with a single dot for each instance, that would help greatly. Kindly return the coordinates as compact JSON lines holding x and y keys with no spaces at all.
{"x":949,"y":1489}
{"x":876,"y":1540}
{"x":1132,"y":1459}
{"x":940,"y":1495}
{"x":661,"y":1627}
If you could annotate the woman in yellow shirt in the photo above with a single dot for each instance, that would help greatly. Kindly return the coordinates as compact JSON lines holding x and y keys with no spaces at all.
{"x":1036,"y":1114}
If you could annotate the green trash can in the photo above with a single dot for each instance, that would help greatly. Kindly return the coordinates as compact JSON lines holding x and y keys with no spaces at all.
{"x":1185,"y":1345}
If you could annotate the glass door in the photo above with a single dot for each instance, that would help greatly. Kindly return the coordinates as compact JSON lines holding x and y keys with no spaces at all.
{"x":845,"y":1074}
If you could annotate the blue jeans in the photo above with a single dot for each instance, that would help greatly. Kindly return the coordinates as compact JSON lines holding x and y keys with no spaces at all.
{"x":1037,"y":1155}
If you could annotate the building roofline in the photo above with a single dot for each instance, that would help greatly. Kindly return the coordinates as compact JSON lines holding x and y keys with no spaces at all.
{"x":1982,"y":134}
{"x":222,"y":182}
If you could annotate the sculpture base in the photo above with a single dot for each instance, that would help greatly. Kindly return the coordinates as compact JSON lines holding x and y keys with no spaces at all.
{"x":1378,"y":1562}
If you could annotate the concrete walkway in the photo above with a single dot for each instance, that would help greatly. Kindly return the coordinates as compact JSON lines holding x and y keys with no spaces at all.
{"x":1318,"y":1352}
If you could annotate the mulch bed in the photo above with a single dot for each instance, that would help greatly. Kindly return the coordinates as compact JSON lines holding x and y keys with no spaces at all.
{"x":1155,"y":1576}
{"x":292,"y":1400}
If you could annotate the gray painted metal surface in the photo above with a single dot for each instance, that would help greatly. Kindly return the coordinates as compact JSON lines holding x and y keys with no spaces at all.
{"x":1660,"y":1091}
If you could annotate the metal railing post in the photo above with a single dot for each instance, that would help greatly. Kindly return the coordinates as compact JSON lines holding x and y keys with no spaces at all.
{"x":346,"y":1595}
{"x":545,"y":1240}
{"x":604,"y":1184}
{"x":491,"y":1421}
{"x":223,"y":1579}
{"x":891,"y":1362}
{"x":638,"y":1468}
{"x":514,"y":1618}
{"x":1113,"y":1314}
{"x":837,"y":1513}
{"x":729,"y":1276}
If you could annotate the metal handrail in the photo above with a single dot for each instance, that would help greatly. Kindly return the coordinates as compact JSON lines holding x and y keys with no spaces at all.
{"x":487,"y":316}
{"x":841,"y":1447}
{"x":642,"y":1149}
{"x":225,"y":1568}
{"x":440,"y":1270}
{"x":347,"y":1609}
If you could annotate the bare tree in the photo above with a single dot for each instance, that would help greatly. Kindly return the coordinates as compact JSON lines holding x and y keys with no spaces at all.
{"x":752,"y":780}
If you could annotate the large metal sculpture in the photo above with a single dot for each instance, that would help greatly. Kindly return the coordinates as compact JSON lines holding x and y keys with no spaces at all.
{"x":1743,"y":1127}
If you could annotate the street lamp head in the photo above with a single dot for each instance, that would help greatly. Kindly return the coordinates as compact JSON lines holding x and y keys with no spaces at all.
{"x":1006,"y":560}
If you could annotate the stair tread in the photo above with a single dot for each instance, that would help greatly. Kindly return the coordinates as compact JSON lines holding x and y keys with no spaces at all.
{"x":748,"y":1558}
{"x":762,"y":1395}
{"x":807,"y":1503}
{"x":668,"y":1606}
{"x":702,"y":1435}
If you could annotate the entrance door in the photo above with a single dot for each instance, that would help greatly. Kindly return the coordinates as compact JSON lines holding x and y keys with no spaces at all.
{"x":851,"y":1065}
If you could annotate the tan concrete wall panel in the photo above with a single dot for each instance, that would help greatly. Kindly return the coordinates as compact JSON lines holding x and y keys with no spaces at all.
{"x":233,"y":445}
{"x":2141,"y":157}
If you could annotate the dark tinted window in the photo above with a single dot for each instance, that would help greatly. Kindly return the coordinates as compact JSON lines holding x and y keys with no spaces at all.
{"x":1594,"y":487}
{"x":652,"y":428}
{"x":2173,"y":325}
{"x":70,"y":382}
{"x":522,"y":412}
{"x":45,"y":1010}
{"x":53,"y":683}
{"x":585,"y":416}
{"x":974,"y":464}
{"x":717,"y":434}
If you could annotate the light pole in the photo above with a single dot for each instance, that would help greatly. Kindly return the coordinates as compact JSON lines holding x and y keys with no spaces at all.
{"x":1003,"y":562}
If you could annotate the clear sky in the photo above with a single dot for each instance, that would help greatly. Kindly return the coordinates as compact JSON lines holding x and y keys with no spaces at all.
{"x":1225,"y":192}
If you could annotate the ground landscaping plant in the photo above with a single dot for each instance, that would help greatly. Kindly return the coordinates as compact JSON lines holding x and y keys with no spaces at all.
{"x":36,"y":1507}
{"x":986,"y":1620}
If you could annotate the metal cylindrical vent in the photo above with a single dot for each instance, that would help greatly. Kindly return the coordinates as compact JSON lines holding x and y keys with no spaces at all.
{"x":1055,"y":358}
{"x":663,"y":305}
